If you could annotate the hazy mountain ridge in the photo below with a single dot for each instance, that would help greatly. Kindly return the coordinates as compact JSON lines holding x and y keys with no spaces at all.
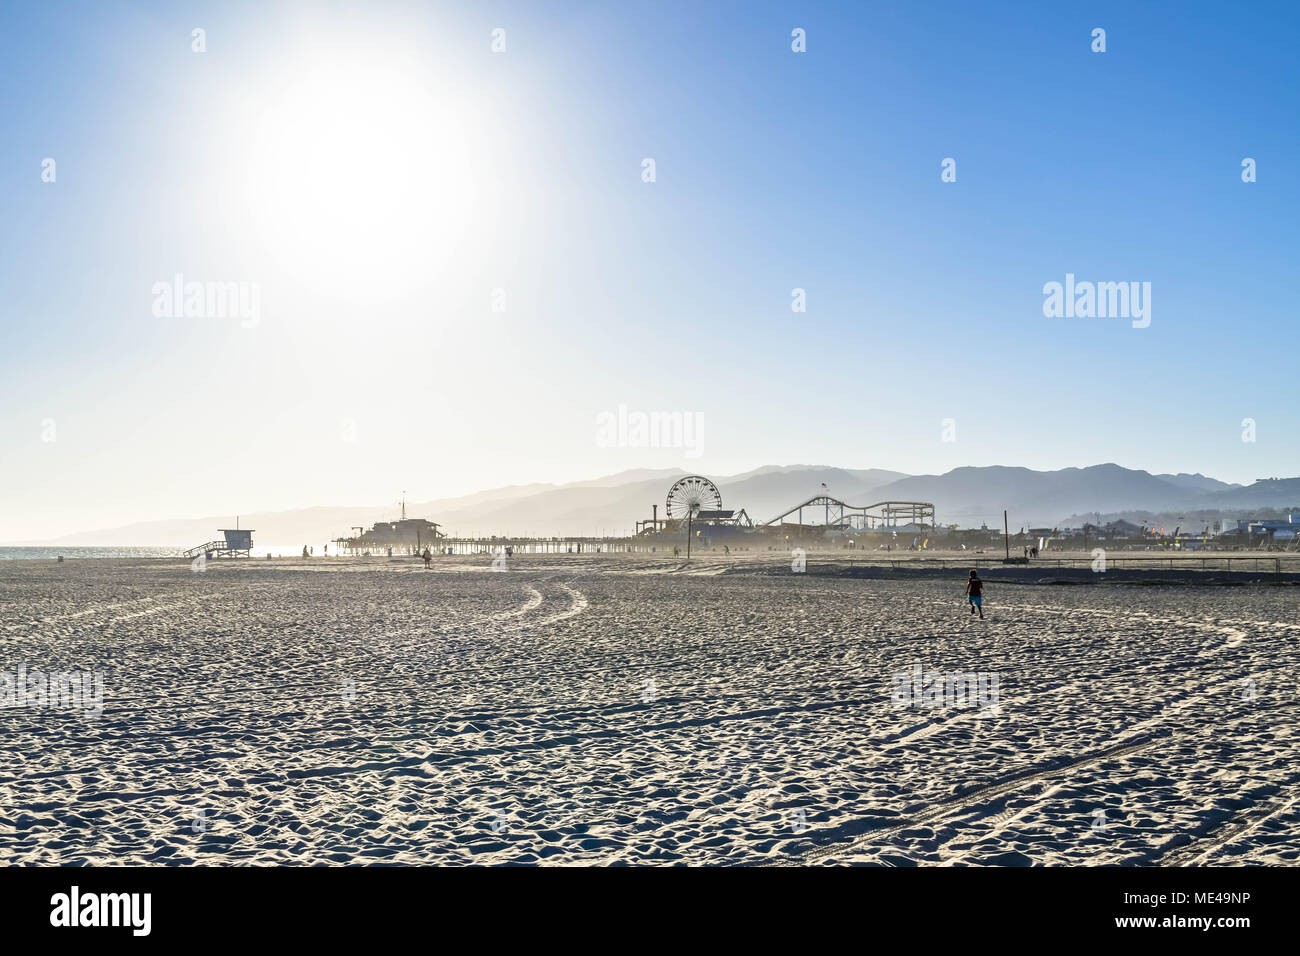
{"x":970,"y":496}
{"x":1199,"y":482}
{"x":612,"y":504}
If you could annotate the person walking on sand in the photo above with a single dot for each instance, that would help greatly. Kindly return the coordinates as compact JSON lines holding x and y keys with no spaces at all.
{"x":428,"y":558}
{"x":975,"y":592}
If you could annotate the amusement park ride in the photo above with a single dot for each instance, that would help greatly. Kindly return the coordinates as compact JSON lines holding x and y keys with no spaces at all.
{"x":690,"y":500}
{"x":695,"y":500}
{"x":879,"y":516}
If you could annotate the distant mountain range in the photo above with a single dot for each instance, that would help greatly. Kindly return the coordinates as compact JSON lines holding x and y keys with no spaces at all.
{"x":612,"y":504}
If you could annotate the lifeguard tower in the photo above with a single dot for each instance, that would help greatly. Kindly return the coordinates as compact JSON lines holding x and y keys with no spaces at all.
{"x":234,"y":543}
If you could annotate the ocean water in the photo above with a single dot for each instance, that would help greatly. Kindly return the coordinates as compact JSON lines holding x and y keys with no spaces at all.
{"x":81,"y":553}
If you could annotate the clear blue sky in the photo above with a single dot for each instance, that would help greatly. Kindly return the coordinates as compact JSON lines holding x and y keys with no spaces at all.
{"x":378,"y":171}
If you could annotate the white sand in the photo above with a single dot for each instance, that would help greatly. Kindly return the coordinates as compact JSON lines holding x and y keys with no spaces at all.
{"x":499,"y":717}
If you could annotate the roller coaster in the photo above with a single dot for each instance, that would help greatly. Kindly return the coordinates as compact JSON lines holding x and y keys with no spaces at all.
{"x":695,"y":499}
{"x":840,"y":514}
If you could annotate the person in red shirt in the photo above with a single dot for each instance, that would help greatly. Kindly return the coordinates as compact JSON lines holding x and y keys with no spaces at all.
{"x":975,"y":591}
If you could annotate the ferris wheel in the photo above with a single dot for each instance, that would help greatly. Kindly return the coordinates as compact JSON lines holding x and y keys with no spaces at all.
{"x":690,"y":495}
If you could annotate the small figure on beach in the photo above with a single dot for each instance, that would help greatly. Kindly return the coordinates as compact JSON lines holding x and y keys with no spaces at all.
{"x":975,"y":592}
{"x":428,"y":558}
{"x":304,"y":551}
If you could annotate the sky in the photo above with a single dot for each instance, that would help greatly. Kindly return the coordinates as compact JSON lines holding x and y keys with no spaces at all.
{"x":456,"y":266}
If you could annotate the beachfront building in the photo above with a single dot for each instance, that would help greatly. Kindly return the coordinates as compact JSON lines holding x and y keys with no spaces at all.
{"x":406,"y":536}
{"x":1254,"y":531}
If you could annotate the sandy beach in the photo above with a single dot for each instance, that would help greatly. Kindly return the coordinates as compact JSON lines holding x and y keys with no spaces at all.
{"x":629,"y":709}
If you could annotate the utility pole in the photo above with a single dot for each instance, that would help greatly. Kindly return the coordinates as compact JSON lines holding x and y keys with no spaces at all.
{"x":1005,"y":540}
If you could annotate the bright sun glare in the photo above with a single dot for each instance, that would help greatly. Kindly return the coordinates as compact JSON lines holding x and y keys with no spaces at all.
{"x":365,"y":182}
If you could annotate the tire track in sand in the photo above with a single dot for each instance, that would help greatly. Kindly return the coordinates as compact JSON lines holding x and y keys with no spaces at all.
{"x":1199,"y":850}
{"x":73,"y":615}
{"x":1134,"y":739}
{"x":950,"y":807}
